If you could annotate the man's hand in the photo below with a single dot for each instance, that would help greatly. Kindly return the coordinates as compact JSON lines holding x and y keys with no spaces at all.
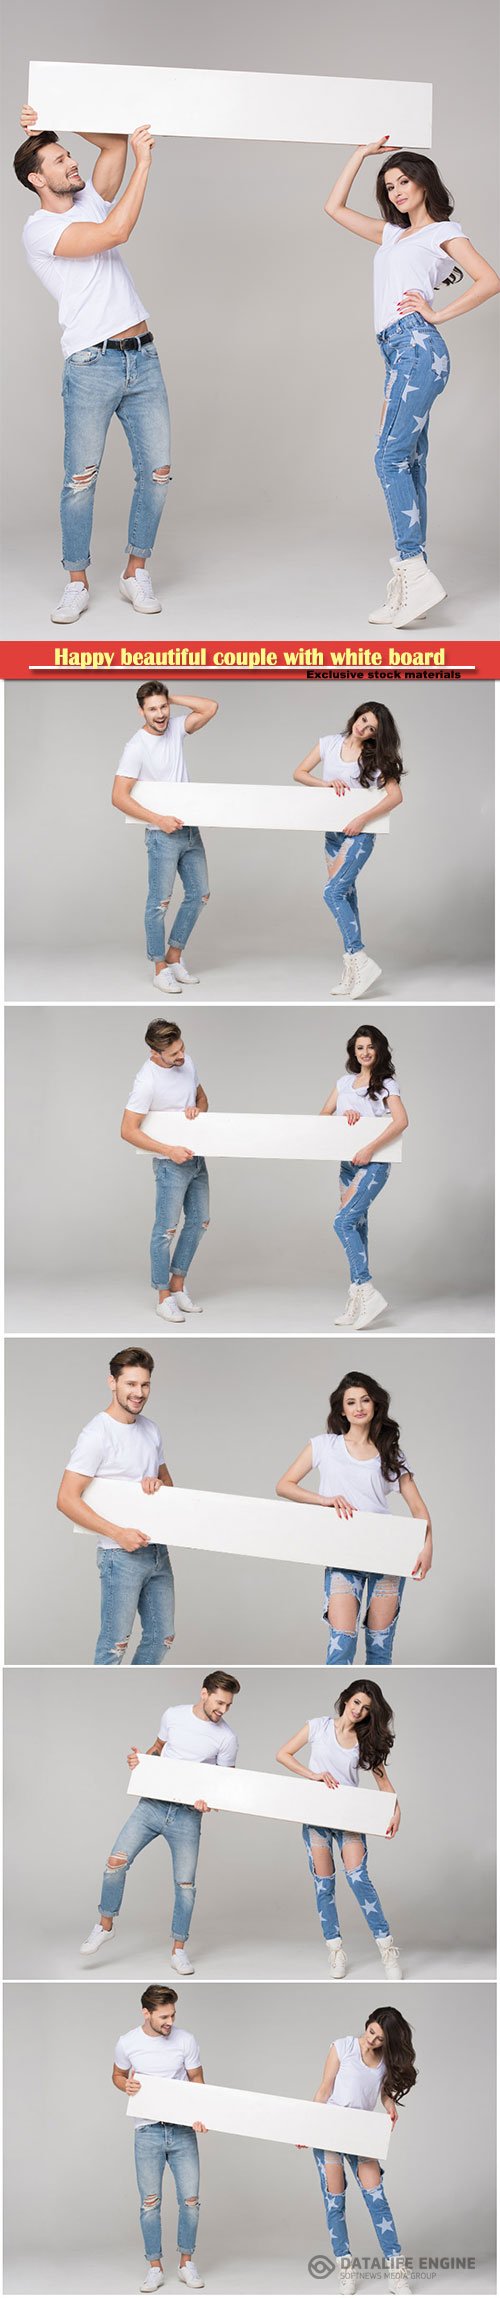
{"x":178,"y":1156}
{"x":142,"y":143}
{"x":167,"y":822}
{"x":131,"y":1539}
{"x":28,"y":119}
{"x":201,"y":2126}
{"x":151,"y":1484}
{"x":191,"y":1112}
{"x":132,"y":2085}
{"x":202,"y":1806}
{"x":133,"y":1758}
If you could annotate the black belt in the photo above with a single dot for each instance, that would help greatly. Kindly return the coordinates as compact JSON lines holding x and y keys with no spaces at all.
{"x":124,"y":342}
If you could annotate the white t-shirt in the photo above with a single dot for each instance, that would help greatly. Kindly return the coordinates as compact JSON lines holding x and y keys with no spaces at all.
{"x":355,"y":2085}
{"x":156,"y":1088}
{"x":326,"y":1753}
{"x":415,"y":261}
{"x":194,"y":1739}
{"x":95,"y":294}
{"x":362,"y":1482}
{"x":156,"y":757}
{"x":169,"y":2055}
{"x":106,"y":1447}
{"x":351,"y":1095}
{"x":335,"y":769}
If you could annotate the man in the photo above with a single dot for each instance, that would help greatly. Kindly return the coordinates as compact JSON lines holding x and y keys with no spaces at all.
{"x":156,"y":754}
{"x":73,"y":242}
{"x":169,"y":1080}
{"x":158,"y":2047}
{"x":135,"y":1573}
{"x":198,"y":1734}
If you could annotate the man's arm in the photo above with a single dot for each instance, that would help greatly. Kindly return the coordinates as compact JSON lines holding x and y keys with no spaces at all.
{"x":164,"y":1475}
{"x":71,"y":1503}
{"x":131,"y":1132}
{"x":110,"y":167}
{"x":198,"y":710}
{"x":121,"y":797}
{"x":81,"y":239}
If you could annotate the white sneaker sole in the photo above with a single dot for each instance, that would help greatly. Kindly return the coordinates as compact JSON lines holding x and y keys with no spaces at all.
{"x":371,"y":1314}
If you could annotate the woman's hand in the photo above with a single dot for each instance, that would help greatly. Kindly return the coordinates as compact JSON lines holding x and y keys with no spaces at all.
{"x":383,"y":145}
{"x":353,"y":1116}
{"x":423,"y":1563}
{"x":364,"y":1156}
{"x":395,"y":1822}
{"x":341,"y":788}
{"x":353,"y":829}
{"x":410,"y":302}
{"x":342,"y":1507}
{"x":391,"y":2110}
{"x":326,"y":1777}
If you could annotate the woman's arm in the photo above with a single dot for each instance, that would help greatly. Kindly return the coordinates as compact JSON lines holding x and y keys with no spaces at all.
{"x":330,"y":1105}
{"x":305,"y":771}
{"x":385,"y":1784}
{"x":330,"y":2071}
{"x":486,"y":284}
{"x":288,"y":1487}
{"x":392,"y":797}
{"x":413,"y":1500}
{"x":366,"y":226}
{"x":398,"y":1124}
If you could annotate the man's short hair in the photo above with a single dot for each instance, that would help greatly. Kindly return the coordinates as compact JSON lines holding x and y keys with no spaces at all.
{"x":159,"y":1034}
{"x":27,"y":158}
{"x":153,"y":686}
{"x":153,"y":1996}
{"x":130,"y":1356}
{"x":219,"y":1682}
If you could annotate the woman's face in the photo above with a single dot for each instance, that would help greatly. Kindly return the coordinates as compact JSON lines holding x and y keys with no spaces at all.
{"x":357,"y":1707}
{"x":358,"y":1407}
{"x":404,"y":194}
{"x":365,"y":1051}
{"x":364,"y":725}
{"x":374,"y":2036}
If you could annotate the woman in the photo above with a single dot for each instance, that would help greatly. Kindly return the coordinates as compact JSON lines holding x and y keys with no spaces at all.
{"x":360,"y":2070}
{"x":360,"y":1463}
{"x":416,"y":245}
{"x":367,"y":753}
{"x":358,"y":1737}
{"x":367,"y":1086}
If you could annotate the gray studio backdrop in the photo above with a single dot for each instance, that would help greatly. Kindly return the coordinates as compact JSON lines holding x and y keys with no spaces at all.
{"x":262,"y":310}
{"x":261,"y":2220}
{"x":232,"y":1420}
{"x":255,"y":1914}
{"x":80,"y":1201}
{"x":76,"y":876}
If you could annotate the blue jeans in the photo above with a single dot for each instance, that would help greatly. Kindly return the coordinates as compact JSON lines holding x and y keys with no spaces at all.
{"x":376,"y":2203}
{"x":155,"y":2144}
{"x":179,"y":1824}
{"x":95,"y":386}
{"x":357,"y":1878}
{"x":179,"y":1188}
{"x":140,"y":1581}
{"x":378,"y":1641}
{"x":417,"y":366}
{"x":340,"y":892}
{"x":351,"y":1225}
{"x":169,"y":851}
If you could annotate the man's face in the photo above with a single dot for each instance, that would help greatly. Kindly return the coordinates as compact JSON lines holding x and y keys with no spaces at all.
{"x":131,"y":1389}
{"x":216,"y":1705}
{"x":162,"y":2019}
{"x":172,"y":1056}
{"x":57,"y":172}
{"x":156,"y":713}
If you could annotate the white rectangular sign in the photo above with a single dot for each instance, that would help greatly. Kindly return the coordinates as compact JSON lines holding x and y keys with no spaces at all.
{"x":239,"y":1133}
{"x":261,"y":2114}
{"x":278,"y":1531}
{"x":263,"y":1794}
{"x":263,"y":107}
{"x":256,"y":805}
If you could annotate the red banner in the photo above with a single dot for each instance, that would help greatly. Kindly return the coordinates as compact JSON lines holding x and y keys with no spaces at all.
{"x":326,"y":659}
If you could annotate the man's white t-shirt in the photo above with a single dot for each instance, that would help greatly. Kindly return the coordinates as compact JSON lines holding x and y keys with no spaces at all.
{"x":326,"y":1754}
{"x":156,"y":757}
{"x":170,"y":2055}
{"x":156,"y":1088}
{"x":361,"y":1482}
{"x":416,"y":262}
{"x":95,"y":294}
{"x":195,"y":1739}
{"x":107,"y":1447}
{"x":355,"y":2085}
{"x":350,"y":1095}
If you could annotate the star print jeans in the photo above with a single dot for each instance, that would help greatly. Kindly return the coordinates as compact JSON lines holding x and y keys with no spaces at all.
{"x":417,"y":367}
{"x":379,"y":1641}
{"x":351,"y":1225}
{"x":340,"y":893}
{"x":357,"y":1878}
{"x":376,"y":2202}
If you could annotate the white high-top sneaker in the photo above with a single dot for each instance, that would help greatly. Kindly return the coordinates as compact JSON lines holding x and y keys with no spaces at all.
{"x":364,"y":973}
{"x":386,"y":612}
{"x":368,"y":1305}
{"x":398,"y":2279}
{"x":342,"y":988}
{"x":419,"y":591}
{"x":337,"y":1959}
{"x":389,"y":1957}
{"x":351,"y":1307}
{"x":347,"y":2282}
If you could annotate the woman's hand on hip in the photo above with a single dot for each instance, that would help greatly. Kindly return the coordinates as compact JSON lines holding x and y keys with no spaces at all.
{"x":410,"y":302}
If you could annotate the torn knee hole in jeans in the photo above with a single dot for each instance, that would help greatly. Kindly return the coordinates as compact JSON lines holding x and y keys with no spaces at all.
{"x":84,"y":478}
{"x":205,"y":898}
{"x":117,"y":1859}
{"x":162,"y":475}
{"x":205,"y":1224}
{"x":192,"y":2202}
{"x":151,"y":2201}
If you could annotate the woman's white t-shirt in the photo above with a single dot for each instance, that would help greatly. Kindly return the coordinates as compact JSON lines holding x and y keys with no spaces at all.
{"x":353,"y":1096}
{"x":415,"y":262}
{"x":107,"y":1447}
{"x":326,"y":1753}
{"x":156,"y":757}
{"x":355,"y":2085}
{"x":195,"y":1739}
{"x":361,"y":1482}
{"x":169,"y":2055}
{"x":95,"y":293}
{"x":156,"y":1088}
{"x":334,"y":768}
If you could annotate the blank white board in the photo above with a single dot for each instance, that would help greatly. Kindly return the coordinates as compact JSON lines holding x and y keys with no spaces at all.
{"x":261,"y":2114}
{"x":263,"y":107}
{"x":263,"y":1794}
{"x":280,"y":1531}
{"x":238,"y":1133}
{"x":256,"y":805}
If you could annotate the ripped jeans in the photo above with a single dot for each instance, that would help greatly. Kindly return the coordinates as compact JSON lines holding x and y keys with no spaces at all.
{"x":351,"y":1224}
{"x":169,"y":852}
{"x":357,"y":1878}
{"x":417,"y":366}
{"x":155,"y":2145}
{"x":136,"y":1580}
{"x":179,"y":1824}
{"x":97,"y":384}
{"x":376,"y":2202}
{"x":340,"y":892}
{"x":179,"y":1189}
{"x":378,"y":1641}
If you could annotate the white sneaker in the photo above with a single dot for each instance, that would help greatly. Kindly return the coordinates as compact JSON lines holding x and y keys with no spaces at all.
{"x":138,"y":589}
{"x":351,"y":1306}
{"x":337,"y":1959}
{"x":371,"y":1303}
{"x":342,"y":988}
{"x":153,"y":2279}
{"x":189,"y":2273}
{"x":390,"y":1958}
{"x":166,"y":980}
{"x":419,"y":591}
{"x":191,"y":1308}
{"x":181,"y":1962}
{"x":74,"y":601}
{"x":170,"y":1311}
{"x":181,"y":973}
{"x":363,"y":973}
{"x":398,"y":2278}
{"x":347,"y":2278}
{"x":97,"y":1938}
{"x":386,"y":612}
